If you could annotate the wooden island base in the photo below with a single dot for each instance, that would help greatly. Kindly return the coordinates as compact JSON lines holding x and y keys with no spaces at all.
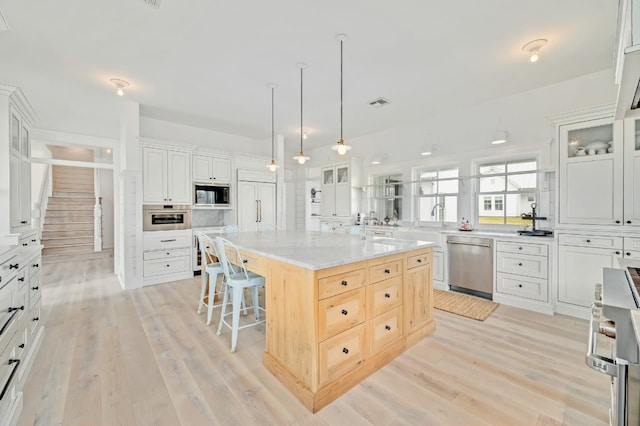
{"x":328,"y":329}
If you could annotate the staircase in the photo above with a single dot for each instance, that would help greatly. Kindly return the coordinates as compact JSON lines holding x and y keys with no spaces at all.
{"x":68,"y":229}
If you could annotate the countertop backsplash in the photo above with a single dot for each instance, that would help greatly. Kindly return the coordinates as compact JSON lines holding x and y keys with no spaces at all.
{"x":202,"y":218}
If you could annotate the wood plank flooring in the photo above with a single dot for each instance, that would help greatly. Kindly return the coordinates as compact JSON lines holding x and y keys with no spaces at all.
{"x":113,"y":357}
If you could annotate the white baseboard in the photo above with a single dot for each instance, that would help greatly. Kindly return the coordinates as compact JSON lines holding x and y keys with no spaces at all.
{"x":518,"y":302}
{"x":573,"y":310}
{"x":167,"y":278}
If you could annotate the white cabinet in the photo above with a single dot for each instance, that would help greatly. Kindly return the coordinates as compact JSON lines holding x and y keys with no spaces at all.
{"x":632,"y":172}
{"x":20,"y":169}
{"x":167,"y":256}
{"x":522,"y":270}
{"x":166,"y":176}
{"x":207,"y":168}
{"x":336,"y":191}
{"x":591,"y":172}
{"x":581,"y":258}
{"x":256,"y":205}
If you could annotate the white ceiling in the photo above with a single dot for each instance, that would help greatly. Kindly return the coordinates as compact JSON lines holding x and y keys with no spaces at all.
{"x":207,"y":63}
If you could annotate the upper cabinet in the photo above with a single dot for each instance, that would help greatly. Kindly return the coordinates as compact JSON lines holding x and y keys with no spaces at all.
{"x":207,"y":168}
{"x":632,"y":171}
{"x":166,"y":176}
{"x":336,"y":191}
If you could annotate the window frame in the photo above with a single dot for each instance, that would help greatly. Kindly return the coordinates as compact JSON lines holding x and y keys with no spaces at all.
{"x":417,"y":196}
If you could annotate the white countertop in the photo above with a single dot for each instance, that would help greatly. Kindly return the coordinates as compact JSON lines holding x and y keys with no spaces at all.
{"x":319,"y":250}
{"x":454,"y":231}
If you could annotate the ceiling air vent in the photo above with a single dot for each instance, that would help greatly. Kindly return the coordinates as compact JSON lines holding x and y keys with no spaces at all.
{"x":153,"y":3}
{"x":380,"y":102}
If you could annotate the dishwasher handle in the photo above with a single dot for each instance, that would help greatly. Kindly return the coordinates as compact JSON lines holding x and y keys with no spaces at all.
{"x":469,"y":244}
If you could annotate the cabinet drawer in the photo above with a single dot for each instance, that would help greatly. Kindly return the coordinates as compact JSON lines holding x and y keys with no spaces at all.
{"x":385,"y":270}
{"x":385,"y":295}
{"x":161,"y":240}
{"x":522,"y":264}
{"x":385,"y":329}
{"x":167,"y":266}
{"x":8,"y":319}
{"x":166,"y":254}
{"x":336,"y":284}
{"x":22,"y":303}
{"x":635,"y":255}
{"x":21,"y":344}
{"x":516,"y":285}
{"x":34,"y":265}
{"x":9,"y":366}
{"x":341,"y":354}
{"x":631,"y":244}
{"x":341,"y":312}
{"x":22,"y":278}
{"x":256,"y":264}
{"x":35,"y":289}
{"x":416,"y":260}
{"x":526,"y":248}
{"x":8,"y":269}
{"x":590,"y":241}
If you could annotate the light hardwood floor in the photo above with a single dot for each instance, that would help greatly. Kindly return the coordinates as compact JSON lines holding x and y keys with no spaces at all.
{"x":112,"y":357}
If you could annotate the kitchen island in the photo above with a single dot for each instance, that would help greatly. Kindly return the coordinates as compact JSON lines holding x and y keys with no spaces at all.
{"x":338,"y":308}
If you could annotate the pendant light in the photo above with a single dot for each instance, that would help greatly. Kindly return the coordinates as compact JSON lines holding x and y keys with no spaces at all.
{"x":301,"y":158}
{"x":272,"y":166}
{"x":340,"y":145}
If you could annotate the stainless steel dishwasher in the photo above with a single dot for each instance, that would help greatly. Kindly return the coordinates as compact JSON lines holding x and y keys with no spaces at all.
{"x":471,"y":265}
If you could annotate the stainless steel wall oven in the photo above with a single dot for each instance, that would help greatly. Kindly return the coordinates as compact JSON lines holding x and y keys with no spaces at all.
{"x":168,"y":217}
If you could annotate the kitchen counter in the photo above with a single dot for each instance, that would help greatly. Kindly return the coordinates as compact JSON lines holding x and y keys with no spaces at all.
{"x":320,"y":250}
{"x":399,"y":230}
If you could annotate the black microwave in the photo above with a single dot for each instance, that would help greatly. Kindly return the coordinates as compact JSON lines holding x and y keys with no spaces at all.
{"x":214,"y":195}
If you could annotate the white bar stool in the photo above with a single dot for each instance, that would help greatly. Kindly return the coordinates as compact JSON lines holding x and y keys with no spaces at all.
{"x":212,"y":269}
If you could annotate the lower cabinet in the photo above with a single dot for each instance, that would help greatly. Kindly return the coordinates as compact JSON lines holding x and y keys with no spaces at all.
{"x":167,"y":256}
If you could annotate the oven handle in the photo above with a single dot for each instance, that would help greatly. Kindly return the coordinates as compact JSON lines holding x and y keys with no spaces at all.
{"x":592,"y":359}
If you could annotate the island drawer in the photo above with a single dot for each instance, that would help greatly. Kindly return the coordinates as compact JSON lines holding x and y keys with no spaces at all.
{"x":254,"y":263}
{"x":522,"y":264}
{"x":385,"y":295}
{"x":341,"y":354}
{"x":339,"y":313}
{"x":417,"y":260}
{"x":515,"y":285}
{"x":340,"y":283}
{"x":523,"y":248}
{"x":385,"y":270}
{"x":385,"y":329}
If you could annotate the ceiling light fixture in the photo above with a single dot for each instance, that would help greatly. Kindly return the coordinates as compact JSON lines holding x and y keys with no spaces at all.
{"x":272,"y":166}
{"x":301,"y":158}
{"x":533,"y":47}
{"x":120,"y":85}
{"x":340,"y":146}
{"x":305,"y":134}
{"x":500,"y":138}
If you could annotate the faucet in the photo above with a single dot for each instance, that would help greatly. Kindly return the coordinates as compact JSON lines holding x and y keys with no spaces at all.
{"x":433,"y":212}
{"x":365,"y":219}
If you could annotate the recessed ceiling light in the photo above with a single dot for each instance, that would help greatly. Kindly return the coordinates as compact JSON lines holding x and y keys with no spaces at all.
{"x":120,"y":85}
{"x":533,"y":47}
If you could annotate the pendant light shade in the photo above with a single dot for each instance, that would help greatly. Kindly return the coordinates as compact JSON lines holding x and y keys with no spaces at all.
{"x":340,"y":146}
{"x":301,"y":158}
{"x":272,"y":166}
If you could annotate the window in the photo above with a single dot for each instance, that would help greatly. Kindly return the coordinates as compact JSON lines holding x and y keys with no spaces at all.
{"x":506,"y":191}
{"x":437,"y":195}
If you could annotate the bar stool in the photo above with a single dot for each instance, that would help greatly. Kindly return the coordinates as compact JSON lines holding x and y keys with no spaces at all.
{"x":236,"y":282}
{"x":212,"y":269}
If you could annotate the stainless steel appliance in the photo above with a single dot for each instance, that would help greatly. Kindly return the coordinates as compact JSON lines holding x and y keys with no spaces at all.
{"x":168,"y":217}
{"x":213,"y":195}
{"x":615,"y":298}
{"x":471,"y":265}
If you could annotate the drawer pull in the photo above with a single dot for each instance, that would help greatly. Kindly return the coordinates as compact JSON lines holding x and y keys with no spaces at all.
{"x":344,"y":282}
{"x":345,"y":350}
{"x":588,"y":241}
{"x":21,"y":279}
{"x":15,"y":266}
{"x":628,"y":253}
{"x":244,"y":260}
{"x":34,"y":240}
{"x":387,"y":327}
{"x":23,"y":222}
{"x":419,"y":260}
{"x":344,"y":312}
{"x":387,"y":271}
{"x":25,"y":244}
{"x":21,"y":308}
{"x":617,"y":252}
{"x":168,"y":266}
{"x":617,"y":221}
{"x":387,"y":295}
{"x":35,"y":318}
{"x":519,"y":248}
{"x":13,"y":373}
{"x":21,"y":345}
{"x":36,"y":265}
{"x":35,"y":288}
{"x":520,"y":285}
{"x":168,"y":253}
{"x":520,"y":264}
{"x":6,"y":324}
{"x":629,"y":222}
{"x":168,"y":241}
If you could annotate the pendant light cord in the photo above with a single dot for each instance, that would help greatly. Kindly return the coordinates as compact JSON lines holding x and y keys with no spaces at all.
{"x":272,"y":136}
{"x":301,"y":110}
{"x":341,"y":140}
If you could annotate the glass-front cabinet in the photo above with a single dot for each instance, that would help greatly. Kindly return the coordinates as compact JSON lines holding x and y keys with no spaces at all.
{"x":336,"y":191}
{"x":632,"y":172}
{"x":591,"y":172}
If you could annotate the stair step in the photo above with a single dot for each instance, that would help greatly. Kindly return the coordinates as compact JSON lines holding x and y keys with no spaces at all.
{"x":71,"y":218}
{"x":74,"y":188}
{"x":73,"y":249}
{"x":73,"y":194}
{"x":69,"y":206}
{"x":79,"y":200}
{"x":70,"y":233}
{"x":57,"y":258}
{"x":83,"y":215}
{"x":67,"y":241}
{"x":76,"y":226}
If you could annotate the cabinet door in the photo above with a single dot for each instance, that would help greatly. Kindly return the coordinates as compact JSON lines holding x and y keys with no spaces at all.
{"x":221,"y":169}
{"x":154,"y":172}
{"x":178,"y":177}
{"x":202,"y":168}
{"x":438,"y":266}
{"x":343,"y":192}
{"x":328,"y":192}
{"x":579,"y":269}
{"x":418,"y":298}
{"x":248,"y":206}
{"x":15,"y":132}
{"x":15,"y":205}
{"x":25,"y":180}
{"x":632,"y":172}
{"x":267,"y":203}
{"x":590,"y":177}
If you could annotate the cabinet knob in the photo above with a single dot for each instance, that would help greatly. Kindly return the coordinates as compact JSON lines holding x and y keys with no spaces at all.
{"x":520,"y":264}
{"x":387,"y":327}
{"x":617,"y":221}
{"x":419,"y":260}
{"x":628,"y":253}
{"x":387,"y":295}
{"x":14,"y":266}
{"x":344,"y":312}
{"x":34,"y":240}
{"x":167,"y":266}
{"x":21,"y":345}
{"x":23,"y":222}
{"x":344,"y":282}
{"x":588,"y":241}
{"x":520,"y":285}
{"x":345,"y":350}
{"x":519,"y":248}
{"x":24,"y":244}
{"x":617,"y":252}
{"x":36,"y":265}
{"x":629,"y":222}
{"x":35,"y":318}
{"x":21,"y":279}
{"x":387,"y":271}
{"x":35,"y":288}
